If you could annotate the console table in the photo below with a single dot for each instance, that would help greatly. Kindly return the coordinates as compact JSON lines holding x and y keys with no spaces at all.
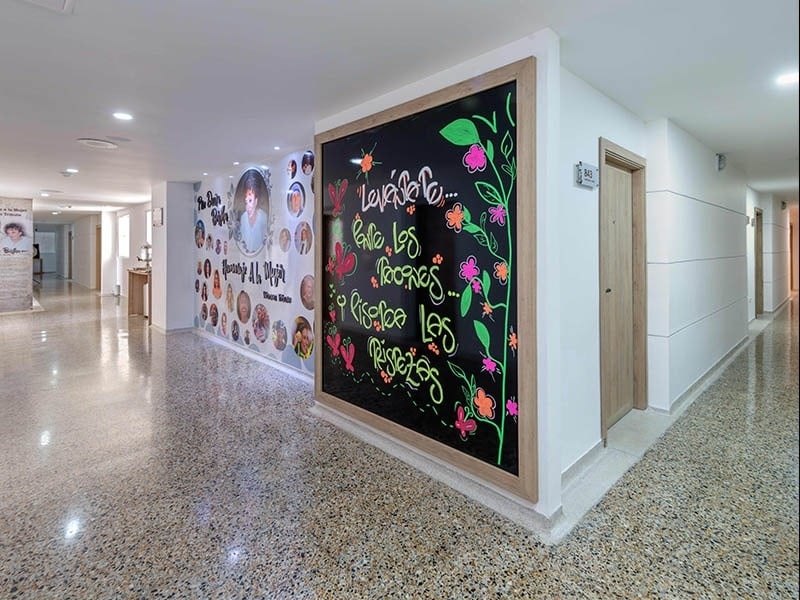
{"x":137,"y":279}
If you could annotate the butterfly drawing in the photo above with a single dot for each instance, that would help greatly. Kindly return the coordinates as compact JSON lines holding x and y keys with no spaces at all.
{"x":465,"y":426}
{"x":348,"y":353}
{"x":345,"y":262}
{"x":337,"y":195}
{"x":334,"y":342}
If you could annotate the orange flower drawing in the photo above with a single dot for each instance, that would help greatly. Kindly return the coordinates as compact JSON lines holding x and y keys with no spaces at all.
{"x":487,"y":310}
{"x":366,"y":163}
{"x":501,"y":271}
{"x":455,"y":217}
{"x":484,"y":403}
{"x":512,"y":341}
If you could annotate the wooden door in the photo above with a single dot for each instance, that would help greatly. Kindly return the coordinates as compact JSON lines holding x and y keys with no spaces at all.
{"x":69,"y":255}
{"x":98,"y":252}
{"x":759,"y":256}
{"x":623,"y":274}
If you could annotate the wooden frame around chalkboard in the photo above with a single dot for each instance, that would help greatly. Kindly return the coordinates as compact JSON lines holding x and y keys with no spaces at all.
{"x":525,"y":484}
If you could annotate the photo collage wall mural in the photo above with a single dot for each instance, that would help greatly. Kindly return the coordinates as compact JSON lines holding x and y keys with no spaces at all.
{"x":254,"y":280}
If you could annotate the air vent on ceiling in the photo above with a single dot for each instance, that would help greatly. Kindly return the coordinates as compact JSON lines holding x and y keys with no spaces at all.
{"x":65,"y":7}
{"x":95,"y":143}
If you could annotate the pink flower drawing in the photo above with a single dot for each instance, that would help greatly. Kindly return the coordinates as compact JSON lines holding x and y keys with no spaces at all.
{"x":497,"y":214}
{"x":475,"y":159}
{"x":469,"y":268}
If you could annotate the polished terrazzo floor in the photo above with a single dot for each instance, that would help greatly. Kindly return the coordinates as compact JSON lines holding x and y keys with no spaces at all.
{"x":138,"y":465}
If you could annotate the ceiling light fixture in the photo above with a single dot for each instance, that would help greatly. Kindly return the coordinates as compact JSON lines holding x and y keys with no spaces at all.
{"x":56,"y":212}
{"x":123,"y":116}
{"x":205,"y":174}
{"x":71,"y":170}
{"x":236,"y":163}
{"x":96,"y":143}
{"x":277,"y":147}
{"x":787,"y":79}
{"x":45,"y":194}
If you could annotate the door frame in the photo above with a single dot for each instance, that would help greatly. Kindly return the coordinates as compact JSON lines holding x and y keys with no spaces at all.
{"x":758,"y":256}
{"x":613,"y":154}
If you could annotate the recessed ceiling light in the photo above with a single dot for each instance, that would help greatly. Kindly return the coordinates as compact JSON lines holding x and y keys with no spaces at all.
{"x":787,"y":79}
{"x":277,"y":147}
{"x":71,"y":170}
{"x":56,"y":212}
{"x":204,"y":173}
{"x":230,"y":176}
{"x":96,"y":143}
{"x":236,"y":163}
{"x":45,"y":194}
{"x":123,"y":116}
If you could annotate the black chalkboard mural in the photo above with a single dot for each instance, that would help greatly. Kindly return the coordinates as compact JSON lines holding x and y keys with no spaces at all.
{"x":419,"y":268}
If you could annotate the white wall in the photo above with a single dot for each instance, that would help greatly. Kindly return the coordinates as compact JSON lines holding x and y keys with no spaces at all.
{"x":795,"y":249}
{"x":137,"y":238}
{"x":173,"y":265}
{"x":697,"y":261}
{"x":108,"y":254}
{"x":83,"y":260}
{"x":586,"y":115}
{"x":544,"y":45}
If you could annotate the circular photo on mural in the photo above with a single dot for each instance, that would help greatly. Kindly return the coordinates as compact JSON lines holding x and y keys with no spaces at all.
{"x":307,"y":163}
{"x":250,"y":211}
{"x":204,"y":292}
{"x":246,"y":338}
{"x":284,"y":239}
{"x":223,"y":324}
{"x":204,"y":312}
{"x":218,"y":246}
{"x":291,"y":168}
{"x":296,"y":199}
{"x":216,"y":288}
{"x":303,"y":237}
{"x":243,"y":307}
{"x":213,"y":315}
{"x":235,"y":331}
{"x":199,"y":267}
{"x":229,"y":298}
{"x":303,"y":338}
{"x":207,"y":268}
{"x":261,"y":323}
{"x":209,"y":241}
{"x":225,"y":247}
{"x":199,"y":234}
{"x":196,"y":285}
{"x":307,"y":292}
{"x":279,"y":335}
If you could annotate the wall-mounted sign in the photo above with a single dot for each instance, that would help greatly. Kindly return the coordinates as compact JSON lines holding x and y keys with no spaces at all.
{"x":587,"y":175}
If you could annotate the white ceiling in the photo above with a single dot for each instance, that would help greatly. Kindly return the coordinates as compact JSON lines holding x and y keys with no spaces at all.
{"x":211,"y":82}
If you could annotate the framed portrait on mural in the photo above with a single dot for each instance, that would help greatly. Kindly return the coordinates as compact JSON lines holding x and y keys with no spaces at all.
{"x":428,"y":231}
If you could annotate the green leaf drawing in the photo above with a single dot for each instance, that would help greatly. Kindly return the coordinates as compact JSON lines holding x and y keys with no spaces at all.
{"x":490,"y":150}
{"x":488,"y":192}
{"x":507,"y":145}
{"x":467,"y":214}
{"x":471,"y":228}
{"x":461,"y":132}
{"x":492,"y":242}
{"x":483,"y":334}
{"x":486,"y":283}
{"x":466,"y":300}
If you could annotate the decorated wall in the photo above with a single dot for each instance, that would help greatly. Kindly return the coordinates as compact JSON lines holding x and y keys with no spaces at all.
{"x":16,"y":254}
{"x":254,"y":277}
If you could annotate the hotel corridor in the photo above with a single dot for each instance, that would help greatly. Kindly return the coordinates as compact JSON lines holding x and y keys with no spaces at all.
{"x":139,"y":465}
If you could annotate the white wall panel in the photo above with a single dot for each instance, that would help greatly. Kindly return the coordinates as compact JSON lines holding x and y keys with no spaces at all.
{"x":696,"y":349}
{"x":699,"y":288}
{"x":658,"y":299}
{"x":658,"y":368}
{"x":681,"y":228}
